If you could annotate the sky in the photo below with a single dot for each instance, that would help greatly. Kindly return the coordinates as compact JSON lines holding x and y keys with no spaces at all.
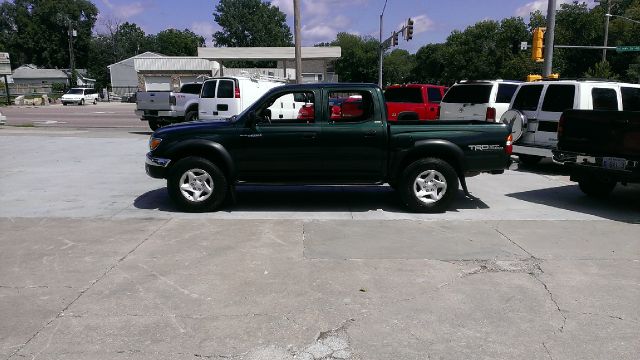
{"x":323,"y":19}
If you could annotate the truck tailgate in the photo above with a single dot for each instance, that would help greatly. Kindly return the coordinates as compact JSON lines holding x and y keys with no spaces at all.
{"x":600,"y":133}
{"x":153,"y":100}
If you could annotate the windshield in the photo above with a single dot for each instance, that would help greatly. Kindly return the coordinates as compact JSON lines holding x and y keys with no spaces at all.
{"x":468,"y":94}
{"x":75,"y":92}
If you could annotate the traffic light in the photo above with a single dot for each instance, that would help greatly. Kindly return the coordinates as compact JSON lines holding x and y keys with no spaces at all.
{"x":394,"y":39}
{"x":409,"y":33}
{"x":538,"y":44}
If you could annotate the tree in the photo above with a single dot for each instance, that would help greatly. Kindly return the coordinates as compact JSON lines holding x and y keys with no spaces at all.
{"x":36,"y":31}
{"x":601,"y":70}
{"x":172,"y":42}
{"x":398,"y":66}
{"x":247,"y":23}
{"x":359,"y":60}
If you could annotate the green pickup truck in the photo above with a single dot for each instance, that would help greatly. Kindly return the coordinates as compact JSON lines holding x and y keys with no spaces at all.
{"x":324,"y":134}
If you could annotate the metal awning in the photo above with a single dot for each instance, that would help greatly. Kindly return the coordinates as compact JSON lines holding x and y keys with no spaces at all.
{"x":269,"y":53}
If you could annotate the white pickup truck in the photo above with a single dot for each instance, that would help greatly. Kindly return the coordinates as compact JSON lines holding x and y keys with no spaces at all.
{"x":161,"y":108}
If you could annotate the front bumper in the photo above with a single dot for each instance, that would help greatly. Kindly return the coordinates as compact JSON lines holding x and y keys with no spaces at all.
{"x":156,"y":167}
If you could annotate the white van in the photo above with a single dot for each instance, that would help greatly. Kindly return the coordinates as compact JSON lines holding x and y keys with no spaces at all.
{"x":223,"y":97}
{"x":80,"y":96}
{"x":484,"y":100}
{"x":537,"y":107}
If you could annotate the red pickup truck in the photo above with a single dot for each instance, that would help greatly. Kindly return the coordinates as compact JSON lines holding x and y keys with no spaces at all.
{"x":416,"y":101}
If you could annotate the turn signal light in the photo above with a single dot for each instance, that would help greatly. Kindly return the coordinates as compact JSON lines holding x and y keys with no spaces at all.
{"x":508,"y":148}
{"x":153,"y":143}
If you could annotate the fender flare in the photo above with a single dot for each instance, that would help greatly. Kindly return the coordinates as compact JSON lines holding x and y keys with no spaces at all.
{"x":207,"y":149}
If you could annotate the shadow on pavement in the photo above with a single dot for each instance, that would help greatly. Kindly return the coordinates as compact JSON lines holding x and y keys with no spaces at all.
{"x":622,"y":205}
{"x":147,"y":133}
{"x":544,"y":167}
{"x":316,"y":198}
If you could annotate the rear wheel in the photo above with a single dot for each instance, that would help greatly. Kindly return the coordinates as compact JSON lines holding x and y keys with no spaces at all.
{"x":95,"y":101}
{"x":596,"y":187}
{"x":196,"y":184}
{"x":529,"y":159}
{"x":428,"y":185}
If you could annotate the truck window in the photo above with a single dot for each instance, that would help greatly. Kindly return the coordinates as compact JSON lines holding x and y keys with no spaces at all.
{"x":630,"y":99}
{"x":191,"y":88}
{"x":505,"y":93}
{"x":527,"y":98}
{"x":434,"y":94}
{"x":468,"y":94}
{"x":285,"y":109}
{"x":604,"y":99}
{"x":405,"y":95}
{"x":209,"y":89}
{"x":559,"y":98}
{"x":225,"y":89}
{"x":354,"y":106}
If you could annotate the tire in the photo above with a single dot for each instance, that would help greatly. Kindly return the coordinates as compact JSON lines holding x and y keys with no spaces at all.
{"x":95,"y":101}
{"x":436,"y":175}
{"x":154,"y":125}
{"x":191,"y":116}
{"x":81,"y":102}
{"x":189,"y":180}
{"x":529,"y":160}
{"x":596,"y":187}
{"x":64,"y":104}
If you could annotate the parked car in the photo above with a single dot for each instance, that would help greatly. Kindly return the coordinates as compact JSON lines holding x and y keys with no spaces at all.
{"x":483,"y":100}
{"x":223,"y":97}
{"x":416,"y":101}
{"x":537,"y":107}
{"x":80,"y":96}
{"x":203,"y":161}
{"x":600,"y":148}
{"x":161,"y":108}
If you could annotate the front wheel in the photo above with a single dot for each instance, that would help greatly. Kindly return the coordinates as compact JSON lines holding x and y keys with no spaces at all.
{"x":428,"y":185}
{"x":95,"y":101}
{"x":82,"y":102}
{"x":596,"y":187}
{"x":196,"y":184}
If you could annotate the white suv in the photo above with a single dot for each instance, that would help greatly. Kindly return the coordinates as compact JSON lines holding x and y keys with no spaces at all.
{"x":80,"y":96}
{"x":537,"y":106}
{"x":484,"y":100}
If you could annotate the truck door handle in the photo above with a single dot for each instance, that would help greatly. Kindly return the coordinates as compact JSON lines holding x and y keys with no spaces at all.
{"x":309,"y":136}
{"x":370,"y":133}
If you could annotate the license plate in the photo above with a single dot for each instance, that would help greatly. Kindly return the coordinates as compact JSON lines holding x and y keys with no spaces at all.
{"x":613,"y":163}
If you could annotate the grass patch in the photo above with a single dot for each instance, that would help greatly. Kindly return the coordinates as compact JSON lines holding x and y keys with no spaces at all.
{"x":28,"y":125}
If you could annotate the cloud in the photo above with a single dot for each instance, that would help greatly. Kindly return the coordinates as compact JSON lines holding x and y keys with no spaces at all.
{"x":125,"y":11}
{"x":542,"y":5}
{"x":205,"y":29}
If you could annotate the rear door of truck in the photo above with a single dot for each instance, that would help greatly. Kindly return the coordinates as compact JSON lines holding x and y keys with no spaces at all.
{"x":354,"y":141}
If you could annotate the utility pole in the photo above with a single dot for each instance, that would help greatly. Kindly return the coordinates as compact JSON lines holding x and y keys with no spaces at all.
{"x":549,"y":39}
{"x":72,"y":62}
{"x":381,"y":47}
{"x":296,"y":26}
{"x":606,"y":30}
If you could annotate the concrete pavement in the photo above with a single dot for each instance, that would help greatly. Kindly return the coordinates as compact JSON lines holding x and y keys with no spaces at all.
{"x":96,"y":263}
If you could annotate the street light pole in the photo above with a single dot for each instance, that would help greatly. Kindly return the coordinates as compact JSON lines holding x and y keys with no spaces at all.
{"x":381,"y":47}
{"x":298,"y":50}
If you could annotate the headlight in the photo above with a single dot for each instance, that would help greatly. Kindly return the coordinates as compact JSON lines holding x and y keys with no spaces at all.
{"x":154,"y":142}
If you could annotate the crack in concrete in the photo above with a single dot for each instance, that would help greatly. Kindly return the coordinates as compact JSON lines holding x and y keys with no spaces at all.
{"x":564,"y":317}
{"x":547,"y":350}
{"x":91,"y":285}
{"x":529,"y":266}
{"x":513,"y":242}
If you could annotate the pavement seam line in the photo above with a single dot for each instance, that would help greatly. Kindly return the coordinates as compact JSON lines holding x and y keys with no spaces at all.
{"x":91,"y":285}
